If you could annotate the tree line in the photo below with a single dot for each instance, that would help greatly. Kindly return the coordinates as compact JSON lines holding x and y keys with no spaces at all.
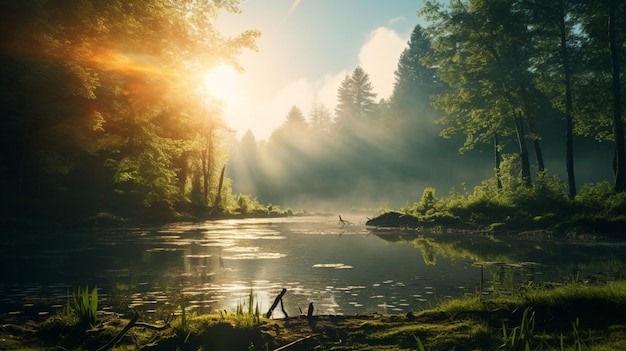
{"x":101,"y":109}
{"x":524,"y":77}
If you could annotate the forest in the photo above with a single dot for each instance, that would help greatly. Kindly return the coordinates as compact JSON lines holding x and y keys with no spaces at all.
{"x":102,"y":113}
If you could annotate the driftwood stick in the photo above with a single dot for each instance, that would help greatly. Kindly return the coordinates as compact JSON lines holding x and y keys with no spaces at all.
{"x":309,"y":313}
{"x":343,"y":221}
{"x":150,"y":326}
{"x":285,"y":347}
{"x":114,"y":341}
{"x":276,"y":300}
{"x":282,"y":308}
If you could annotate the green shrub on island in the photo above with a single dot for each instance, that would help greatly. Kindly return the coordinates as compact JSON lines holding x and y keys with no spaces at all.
{"x":508,"y":203}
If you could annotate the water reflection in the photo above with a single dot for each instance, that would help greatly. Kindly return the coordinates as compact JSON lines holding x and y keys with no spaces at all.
{"x":347,"y":269}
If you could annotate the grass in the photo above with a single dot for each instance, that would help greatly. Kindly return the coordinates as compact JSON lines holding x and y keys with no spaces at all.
{"x":82,"y":308}
{"x":569,"y":317}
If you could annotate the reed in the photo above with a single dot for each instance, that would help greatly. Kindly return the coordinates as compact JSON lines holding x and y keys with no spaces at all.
{"x":84,"y":306}
{"x":253,"y":313}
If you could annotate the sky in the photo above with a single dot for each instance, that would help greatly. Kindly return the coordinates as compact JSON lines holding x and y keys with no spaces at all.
{"x":306,"y":48}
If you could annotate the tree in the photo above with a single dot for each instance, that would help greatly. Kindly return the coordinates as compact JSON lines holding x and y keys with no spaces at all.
{"x":558,"y":45}
{"x":286,"y":157}
{"x":600,"y":113}
{"x":482,"y":49}
{"x":246,"y":166}
{"x":615,"y":43}
{"x":412,"y":115}
{"x":103,"y":88}
{"x":364,"y":96}
{"x":320,"y":119}
{"x":415,"y":80}
{"x":355,"y":99}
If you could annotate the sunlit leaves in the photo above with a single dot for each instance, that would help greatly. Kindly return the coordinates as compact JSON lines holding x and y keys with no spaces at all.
{"x":96,"y":80}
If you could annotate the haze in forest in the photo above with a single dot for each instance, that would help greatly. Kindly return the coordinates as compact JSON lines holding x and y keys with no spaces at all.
{"x":152,"y":107}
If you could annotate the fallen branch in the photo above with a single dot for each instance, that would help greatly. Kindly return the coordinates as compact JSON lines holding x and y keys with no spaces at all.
{"x":119,"y":336}
{"x":276,"y":301}
{"x":282,"y":308}
{"x":133,"y":323}
{"x":151,"y":326}
{"x":343,"y":221}
{"x":284,"y":347}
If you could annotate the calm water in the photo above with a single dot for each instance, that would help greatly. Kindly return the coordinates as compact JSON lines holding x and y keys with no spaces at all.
{"x":342,"y":270}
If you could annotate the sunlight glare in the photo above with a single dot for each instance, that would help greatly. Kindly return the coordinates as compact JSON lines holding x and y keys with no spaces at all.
{"x":220,"y":83}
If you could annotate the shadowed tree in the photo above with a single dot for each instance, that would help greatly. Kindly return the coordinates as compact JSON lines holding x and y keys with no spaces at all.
{"x":415,"y":80}
{"x":558,"y":45}
{"x":482,"y":50}
{"x":600,"y":111}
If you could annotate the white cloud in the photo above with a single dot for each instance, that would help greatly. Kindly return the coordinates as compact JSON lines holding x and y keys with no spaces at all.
{"x":264,"y":104}
{"x":379,"y":58}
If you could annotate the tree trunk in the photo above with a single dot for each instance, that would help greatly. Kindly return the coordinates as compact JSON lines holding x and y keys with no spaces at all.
{"x":205,"y":173}
{"x":218,"y":198}
{"x":536,"y":146}
{"x":527,"y":114}
{"x":207,"y":153}
{"x":496,"y":147}
{"x":523,"y":151}
{"x":618,"y":126}
{"x":569,"y":125}
{"x":183,"y":170}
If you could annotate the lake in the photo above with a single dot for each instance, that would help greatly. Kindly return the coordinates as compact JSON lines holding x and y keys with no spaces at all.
{"x":350,"y":269}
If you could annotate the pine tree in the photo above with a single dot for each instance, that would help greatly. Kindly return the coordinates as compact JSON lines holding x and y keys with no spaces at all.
{"x":355,"y":99}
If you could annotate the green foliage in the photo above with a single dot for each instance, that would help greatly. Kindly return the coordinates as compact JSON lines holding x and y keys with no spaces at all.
{"x":600,"y":200}
{"x":428,"y":202}
{"x":98,"y":126}
{"x":520,"y":337}
{"x":545,"y":204}
{"x":83,"y":307}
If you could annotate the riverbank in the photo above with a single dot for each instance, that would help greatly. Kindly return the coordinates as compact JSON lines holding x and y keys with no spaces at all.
{"x":572,"y":228}
{"x":550,"y":317}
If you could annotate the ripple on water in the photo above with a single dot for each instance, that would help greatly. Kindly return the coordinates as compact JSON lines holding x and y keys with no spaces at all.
{"x":255,"y":256}
{"x":332,"y":265}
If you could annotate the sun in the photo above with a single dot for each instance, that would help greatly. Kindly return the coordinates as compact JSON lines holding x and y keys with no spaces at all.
{"x":221,"y":83}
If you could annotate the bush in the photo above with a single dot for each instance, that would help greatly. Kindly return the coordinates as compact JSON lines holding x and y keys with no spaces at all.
{"x":600,"y":200}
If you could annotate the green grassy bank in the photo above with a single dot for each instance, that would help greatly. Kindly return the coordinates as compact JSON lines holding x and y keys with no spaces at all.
{"x":565,"y":317}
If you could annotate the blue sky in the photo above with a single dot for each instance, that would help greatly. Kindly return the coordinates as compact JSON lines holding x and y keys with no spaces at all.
{"x":306,"y":48}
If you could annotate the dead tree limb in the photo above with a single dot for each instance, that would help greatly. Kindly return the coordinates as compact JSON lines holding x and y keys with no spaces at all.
{"x":132,"y":323}
{"x":119,"y":336}
{"x":309,"y":313}
{"x":285,"y":347}
{"x":282,"y":308}
{"x":276,"y":301}
{"x":151,"y":326}
{"x":343,"y":221}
